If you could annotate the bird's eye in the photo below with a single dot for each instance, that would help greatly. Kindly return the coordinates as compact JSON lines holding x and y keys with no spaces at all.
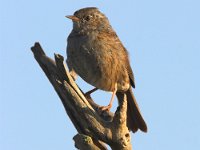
{"x":87,"y":18}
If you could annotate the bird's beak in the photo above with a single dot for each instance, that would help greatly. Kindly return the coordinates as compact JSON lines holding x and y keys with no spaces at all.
{"x":73,"y":18}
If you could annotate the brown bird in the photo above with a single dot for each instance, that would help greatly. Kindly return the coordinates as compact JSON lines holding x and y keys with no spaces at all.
{"x":96,"y":54}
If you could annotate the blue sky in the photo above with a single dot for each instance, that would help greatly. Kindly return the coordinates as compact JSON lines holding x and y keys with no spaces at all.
{"x":163,"y":40}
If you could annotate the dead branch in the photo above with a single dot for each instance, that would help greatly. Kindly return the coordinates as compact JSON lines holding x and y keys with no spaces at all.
{"x":94,"y":128}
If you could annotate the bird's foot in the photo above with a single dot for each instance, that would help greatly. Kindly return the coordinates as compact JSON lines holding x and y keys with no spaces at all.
{"x":87,"y":94}
{"x":105,"y":108}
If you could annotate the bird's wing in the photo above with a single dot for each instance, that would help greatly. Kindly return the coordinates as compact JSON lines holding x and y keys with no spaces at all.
{"x":131,"y":75}
{"x":111,"y":37}
{"x":128,"y":66}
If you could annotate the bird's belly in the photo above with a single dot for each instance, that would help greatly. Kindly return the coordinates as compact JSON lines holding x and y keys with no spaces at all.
{"x":99,"y":66}
{"x":105,"y":82}
{"x":102,"y":73}
{"x":94,"y":75}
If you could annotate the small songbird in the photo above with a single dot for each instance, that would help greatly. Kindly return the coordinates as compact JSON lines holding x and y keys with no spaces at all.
{"x":96,"y":54}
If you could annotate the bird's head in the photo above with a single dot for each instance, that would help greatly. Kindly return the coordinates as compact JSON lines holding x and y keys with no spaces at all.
{"x":89,"y":19}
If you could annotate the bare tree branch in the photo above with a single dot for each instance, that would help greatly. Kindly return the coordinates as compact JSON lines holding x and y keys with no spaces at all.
{"x":94,"y":128}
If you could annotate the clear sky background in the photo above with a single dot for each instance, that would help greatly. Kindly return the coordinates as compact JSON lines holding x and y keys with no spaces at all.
{"x":163,"y":40}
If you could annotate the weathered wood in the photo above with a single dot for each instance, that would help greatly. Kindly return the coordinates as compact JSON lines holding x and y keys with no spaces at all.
{"x":94,"y":127}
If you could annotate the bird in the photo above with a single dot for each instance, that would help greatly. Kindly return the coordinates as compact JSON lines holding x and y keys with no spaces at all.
{"x":96,"y":54}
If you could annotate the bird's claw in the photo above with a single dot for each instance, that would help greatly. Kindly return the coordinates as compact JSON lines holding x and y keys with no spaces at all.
{"x":105,"y":108}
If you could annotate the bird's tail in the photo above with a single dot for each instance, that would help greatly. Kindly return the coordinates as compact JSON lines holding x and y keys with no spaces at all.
{"x":135,"y":120}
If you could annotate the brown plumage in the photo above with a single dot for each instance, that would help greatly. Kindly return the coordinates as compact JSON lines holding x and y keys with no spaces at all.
{"x":96,"y":54}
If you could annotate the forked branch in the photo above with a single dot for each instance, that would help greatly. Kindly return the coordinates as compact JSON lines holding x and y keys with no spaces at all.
{"x":94,"y":128}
